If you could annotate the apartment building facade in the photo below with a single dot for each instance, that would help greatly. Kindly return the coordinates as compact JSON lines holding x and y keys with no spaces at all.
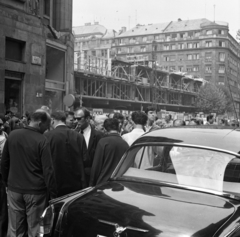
{"x":200,"y":48}
{"x":36,"y":54}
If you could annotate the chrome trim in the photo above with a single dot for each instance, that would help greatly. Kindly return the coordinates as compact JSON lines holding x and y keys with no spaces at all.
{"x":233,"y":230}
{"x":127,"y":227}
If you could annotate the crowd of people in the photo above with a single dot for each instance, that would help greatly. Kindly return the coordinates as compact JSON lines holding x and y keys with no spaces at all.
{"x":44,"y":156}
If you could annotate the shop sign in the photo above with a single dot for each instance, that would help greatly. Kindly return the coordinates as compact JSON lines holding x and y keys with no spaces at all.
{"x":97,"y":111}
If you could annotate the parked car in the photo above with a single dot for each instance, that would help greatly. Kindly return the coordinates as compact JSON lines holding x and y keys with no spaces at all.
{"x":175,"y":182}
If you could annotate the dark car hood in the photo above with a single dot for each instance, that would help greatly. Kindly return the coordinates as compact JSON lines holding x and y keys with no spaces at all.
{"x":158,"y":210}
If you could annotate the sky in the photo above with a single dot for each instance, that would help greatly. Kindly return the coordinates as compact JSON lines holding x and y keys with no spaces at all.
{"x":114,"y":14}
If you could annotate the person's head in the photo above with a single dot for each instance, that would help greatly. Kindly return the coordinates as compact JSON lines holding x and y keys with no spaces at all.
{"x":111,"y":124}
{"x":9,"y":113}
{"x":41,"y":120}
{"x":1,"y":126}
{"x":168,"y":117}
{"x":139,"y":117}
{"x":98,"y":122}
{"x":210,"y":119}
{"x":58,"y":117}
{"x":178,"y":122}
{"x":45,"y":108}
{"x":111,"y":115}
{"x":70,"y":120}
{"x":82,"y":116}
{"x":151,"y":113}
{"x":120,"y":119}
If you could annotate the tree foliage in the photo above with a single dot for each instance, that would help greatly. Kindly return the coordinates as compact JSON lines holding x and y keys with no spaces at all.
{"x":229,"y":100}
{"x":211,"y":99}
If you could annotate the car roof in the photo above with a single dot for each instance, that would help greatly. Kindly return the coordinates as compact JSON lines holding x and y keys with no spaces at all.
{"x":224,"y":138}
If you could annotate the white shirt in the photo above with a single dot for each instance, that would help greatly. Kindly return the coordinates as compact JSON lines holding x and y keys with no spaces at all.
{"x":87,"y":134}
{"x":132,"y":136}
{"x":3,"y":138}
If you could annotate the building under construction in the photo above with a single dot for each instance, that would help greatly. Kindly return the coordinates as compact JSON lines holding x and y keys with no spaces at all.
{"x":111,"y":84}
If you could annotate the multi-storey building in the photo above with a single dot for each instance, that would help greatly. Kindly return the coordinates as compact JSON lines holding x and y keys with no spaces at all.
{"x":94,"y":40}
{"x":199,"y":47}
{"x":36,"y":54}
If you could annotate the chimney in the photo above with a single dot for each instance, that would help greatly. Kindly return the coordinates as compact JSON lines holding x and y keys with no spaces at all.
{"x":88,"y":24}
{"x":124,"y":29}
{"x":179,"y":19}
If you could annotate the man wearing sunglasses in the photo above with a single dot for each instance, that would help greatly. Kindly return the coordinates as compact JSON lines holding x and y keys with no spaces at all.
{"x":91,"y":137}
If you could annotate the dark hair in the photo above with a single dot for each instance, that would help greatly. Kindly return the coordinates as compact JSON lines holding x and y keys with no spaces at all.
{"x":67,"y":113}
{"x":139,"y":117}
{"x":210,"y":116}
{"x":150,"y":108}
{"x":111,"y":124}
{"x":40,"y":115}
{"x":118,"y":116}
{"x":85,"y":111}
{"x":59,"y":116}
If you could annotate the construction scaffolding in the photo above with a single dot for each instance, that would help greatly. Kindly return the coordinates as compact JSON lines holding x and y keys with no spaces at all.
{"x":113,"y":79}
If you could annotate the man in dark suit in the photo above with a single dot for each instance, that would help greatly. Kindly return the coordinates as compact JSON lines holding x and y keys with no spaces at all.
{"x":68,"y":150}
{"x":91,"y":137}
{"x":110,"y":150}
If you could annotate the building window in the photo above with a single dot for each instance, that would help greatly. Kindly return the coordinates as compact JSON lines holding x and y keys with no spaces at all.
{"x":143,"y":49}
{"x":167,"y":36}
{"x":85,"y":54}
{"x":221,"y":32}
{"x":197,"y":34}
{"x":166,"y":58}
{"x":94,"y":53}
{"x":221,"y":43}
{"x":132,"y":41}
{"x":189,"y":69}
{"x":181,"y":57}
{"x":181,"y":35}
{"x":172,"y":68}
{"x":208,"y":43}
{"x":195,"y":68}
{"x":14,"y":49}
{"x":144,"y":39}
{"x":130,"y":50}
{"x":196,"y":45}
{"x":180,"y":46}
{"x":119,"y":50}
{"x":166,"y":47}
{"x":190,"y":34}
{"x":13,"y":91}
{"x":174,"y":36}
{"x":221,"y":57}
{"x":46,"y":7}
{"x":209,"y":32}
{"x":208,"y":69}
{"x":208,"y":57}
{"x":195,"y":56}
{"x":189,"y":56}
{"x":221,"y":79}
{"x":189,"y":45}
{"x":180,"y":68}
{"x":173,"y":46}
{"x":172,"y":58}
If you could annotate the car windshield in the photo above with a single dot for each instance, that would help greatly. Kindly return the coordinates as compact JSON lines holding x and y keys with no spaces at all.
{"x":182,"y":165}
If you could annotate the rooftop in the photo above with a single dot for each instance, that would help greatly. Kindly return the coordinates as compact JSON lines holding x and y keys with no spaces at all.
{"x":168,"y":27}
{"x":89,"y":30}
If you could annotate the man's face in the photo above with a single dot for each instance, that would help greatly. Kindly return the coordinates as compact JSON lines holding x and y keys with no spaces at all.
{"x":81,"y":120}
{"x":70,"y":121}
{"x":152,"y":115}
{"x":1,"y":126}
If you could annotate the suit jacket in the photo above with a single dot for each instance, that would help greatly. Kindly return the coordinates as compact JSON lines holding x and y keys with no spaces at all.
{"x":68,"y":150}
{"x":110,"y":150}
{"x":92,"y":145}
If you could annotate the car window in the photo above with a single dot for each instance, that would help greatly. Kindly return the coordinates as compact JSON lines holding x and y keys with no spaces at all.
{"x":195,"y":167}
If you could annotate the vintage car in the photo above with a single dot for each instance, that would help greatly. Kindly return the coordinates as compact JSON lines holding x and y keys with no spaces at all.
{"x":175,"y":182}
